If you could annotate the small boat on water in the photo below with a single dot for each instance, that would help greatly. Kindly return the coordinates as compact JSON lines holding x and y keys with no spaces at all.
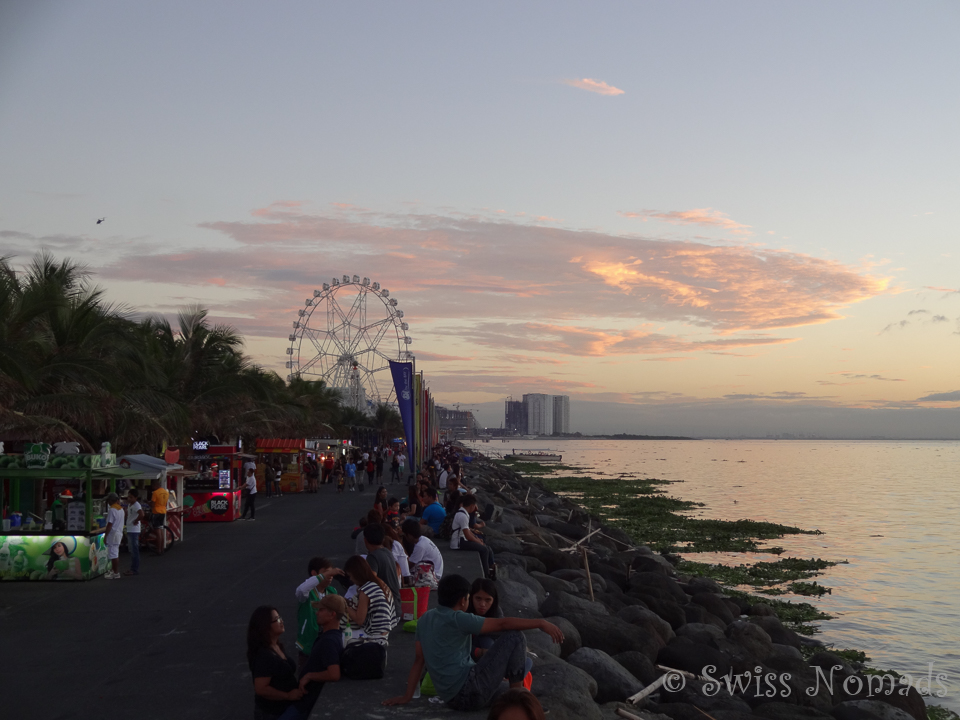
{"x":534,"y":456}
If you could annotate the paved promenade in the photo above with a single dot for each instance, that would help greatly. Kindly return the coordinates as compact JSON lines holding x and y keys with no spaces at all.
{"x":171,"y":643}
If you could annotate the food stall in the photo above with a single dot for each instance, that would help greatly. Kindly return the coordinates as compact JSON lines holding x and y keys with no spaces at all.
{"x":212,"y":492}
{"x":171,"y":476}
{"x":289,"y":454}
{"x":54,"y":512}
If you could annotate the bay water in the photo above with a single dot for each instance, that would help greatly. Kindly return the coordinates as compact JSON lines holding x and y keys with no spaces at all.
{"x":890,"y":509}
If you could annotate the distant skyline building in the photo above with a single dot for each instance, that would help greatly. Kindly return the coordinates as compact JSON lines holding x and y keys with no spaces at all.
{"x":561,"y":414}
{"x":515,"y":417}
{"x":539,"y":413}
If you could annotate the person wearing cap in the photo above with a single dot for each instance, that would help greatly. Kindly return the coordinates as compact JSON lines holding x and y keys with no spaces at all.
{"x":113,"y":535}
{"x":323,"y":665}
{"x":320,"y":572}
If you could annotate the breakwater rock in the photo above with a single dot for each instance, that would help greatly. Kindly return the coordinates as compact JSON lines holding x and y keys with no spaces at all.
{"x":633,"y":624}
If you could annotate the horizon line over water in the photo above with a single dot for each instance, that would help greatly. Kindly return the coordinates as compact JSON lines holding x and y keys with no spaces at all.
{"x":887,"y":507}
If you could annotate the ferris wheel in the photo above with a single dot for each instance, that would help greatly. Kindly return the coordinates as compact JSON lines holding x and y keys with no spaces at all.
{"x":345,"y":335}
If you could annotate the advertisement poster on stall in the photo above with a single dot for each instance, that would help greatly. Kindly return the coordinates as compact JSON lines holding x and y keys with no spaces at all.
{"x":52,"y":557}
{"x":211,"y":506}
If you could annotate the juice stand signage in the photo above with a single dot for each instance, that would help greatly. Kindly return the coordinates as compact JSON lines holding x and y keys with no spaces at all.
{"x":211,"y":506}
{"x":52,"y":557}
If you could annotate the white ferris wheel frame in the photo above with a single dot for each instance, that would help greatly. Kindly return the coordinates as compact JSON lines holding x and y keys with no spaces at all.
{"x":349,"y":349}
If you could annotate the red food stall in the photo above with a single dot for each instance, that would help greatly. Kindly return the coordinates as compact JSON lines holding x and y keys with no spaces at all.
{"x":289,"y":453}
{"x":213,"y":493}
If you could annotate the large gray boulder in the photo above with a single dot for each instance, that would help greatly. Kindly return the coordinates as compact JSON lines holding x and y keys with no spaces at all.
{"x":614,"y":682}
{"x":565,"y":604}
{"x":551,"y":558}
{"x":656,"y":581}
{"x":613,"y":635}
{"x":571,"y":636}
{"x":684,"y":654}
{"x":518,"y":574}
{"x":701,"y":632}
{"x":643,"y":617}
{"x":530,"y":564}
{"x":517,"y":600}
{"x":638,"y":665}
{"x":775,"y":629}
{"x":565,"y":691}
{"x":540,"y":643}
{"x":500,"y":543}
{"x":574,"y":576}
{"x":751,"y":637}
{"x":553,"y":584}
{"x":715,"y":605}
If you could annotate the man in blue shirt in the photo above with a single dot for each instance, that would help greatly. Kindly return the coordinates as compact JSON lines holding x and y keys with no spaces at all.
{"x":433,"y":512}
{"x":350,"y":470}
{"x":444,"y":637}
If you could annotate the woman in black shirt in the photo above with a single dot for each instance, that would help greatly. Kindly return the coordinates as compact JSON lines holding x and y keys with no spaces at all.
{"x":274,"y":671}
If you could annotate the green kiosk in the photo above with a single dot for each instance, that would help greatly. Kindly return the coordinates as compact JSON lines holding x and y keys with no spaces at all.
{"x":54,"y":512}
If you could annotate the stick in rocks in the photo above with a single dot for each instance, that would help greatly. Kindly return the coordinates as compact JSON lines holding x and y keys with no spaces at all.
{"x":586,"y":566}
{"x":526,"y":500}
{"x":649,"y":689}
{"x":627,"y":715}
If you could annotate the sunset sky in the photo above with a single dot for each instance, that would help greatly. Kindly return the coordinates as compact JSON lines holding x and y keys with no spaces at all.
{"x":691,"y":217}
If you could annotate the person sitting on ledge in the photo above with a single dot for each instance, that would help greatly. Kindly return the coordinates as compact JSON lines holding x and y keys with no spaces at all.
{"x":443,"y":643}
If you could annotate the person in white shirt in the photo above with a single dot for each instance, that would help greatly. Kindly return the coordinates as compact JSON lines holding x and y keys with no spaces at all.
{"x":113,"y":535}
{"x":134,"y":518}
{"x":463,"y":538}
{"x":251,"y":501}
{"x":424,"y":549}
{"x":442,"y":480}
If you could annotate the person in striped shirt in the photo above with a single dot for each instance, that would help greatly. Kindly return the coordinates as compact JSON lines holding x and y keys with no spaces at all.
{"x":373,"y":612}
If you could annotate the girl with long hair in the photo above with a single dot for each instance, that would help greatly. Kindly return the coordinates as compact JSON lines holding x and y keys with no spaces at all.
{"x":485,"y":602}
{"x":373,"y":612}
{"x":393,"y":541}
{"x":274,"y":670}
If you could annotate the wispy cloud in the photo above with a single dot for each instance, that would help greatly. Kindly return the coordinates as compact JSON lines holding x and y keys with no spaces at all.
{"x":866,"y":376}
{"x":894,"y":326}
{"x":594,"y":86}
{"x":919,"y":312}
{"x":699,"y":216}
{"x":939,"y":319}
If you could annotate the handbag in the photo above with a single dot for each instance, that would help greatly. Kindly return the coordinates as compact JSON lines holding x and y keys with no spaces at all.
{"x":424,"y":575}
{"x":363,"y":661}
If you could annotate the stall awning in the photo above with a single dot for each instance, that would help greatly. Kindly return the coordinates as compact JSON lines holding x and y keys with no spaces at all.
{"x":147,"y":464}
{"x":280,"y":444}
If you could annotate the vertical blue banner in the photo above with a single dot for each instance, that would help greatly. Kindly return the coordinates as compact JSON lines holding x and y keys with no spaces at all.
{"x":403,"y":383}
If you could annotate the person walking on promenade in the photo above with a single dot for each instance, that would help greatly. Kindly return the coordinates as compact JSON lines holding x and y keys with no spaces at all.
{"x":250,"y":502}
{"x":275,"y":683}
{"x":350,"y":472}
{"x":269,"y":475}
{"x":328,"y":463}
{"x":134,"y":518}
{"x":337,"y":478}
{"x":371,"y":468}
{"x":395,"y":468}
{"x":114,"y":534}
{"x":379,"y":464}
{"x":443,"y":645}
{"x":320,"y":572}
{"x":277,"y":472}
{"x":463,"y":538}
{"x":402,"y":459}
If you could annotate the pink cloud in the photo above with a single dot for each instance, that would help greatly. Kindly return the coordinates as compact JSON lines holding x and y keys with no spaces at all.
{"x":703,"y":216}
{"x":551,"y":289}
{"x":594,"y":86}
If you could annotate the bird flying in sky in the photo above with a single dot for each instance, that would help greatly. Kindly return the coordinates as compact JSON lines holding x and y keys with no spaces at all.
{"x":100,"y":220}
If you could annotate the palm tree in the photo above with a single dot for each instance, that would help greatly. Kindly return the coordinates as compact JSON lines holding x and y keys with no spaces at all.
{"x":387,"y":422}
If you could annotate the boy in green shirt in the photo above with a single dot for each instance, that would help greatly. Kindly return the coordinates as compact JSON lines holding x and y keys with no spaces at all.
{"x":321,"y":572}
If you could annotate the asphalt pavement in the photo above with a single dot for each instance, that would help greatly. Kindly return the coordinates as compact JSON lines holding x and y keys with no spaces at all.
{"x":171,"y":642}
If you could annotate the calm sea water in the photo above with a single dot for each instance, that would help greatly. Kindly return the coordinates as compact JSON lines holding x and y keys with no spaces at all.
{"x":889,"y":508}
